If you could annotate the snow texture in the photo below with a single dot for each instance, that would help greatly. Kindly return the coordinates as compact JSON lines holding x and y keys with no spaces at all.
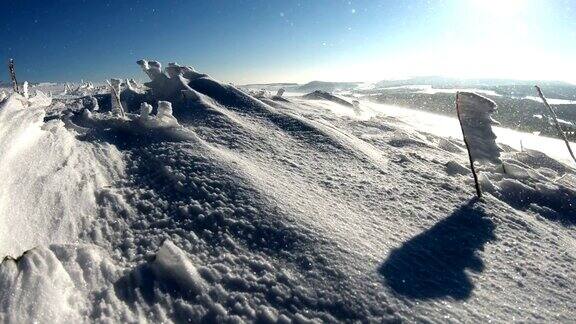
{"x":205,"y":203}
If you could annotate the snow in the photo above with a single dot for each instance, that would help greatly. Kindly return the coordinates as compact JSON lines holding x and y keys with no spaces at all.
{"x":552,"y":101}
{"x":173,"y":264}
{"x":48,"y":177}
{"x":208,"y":204}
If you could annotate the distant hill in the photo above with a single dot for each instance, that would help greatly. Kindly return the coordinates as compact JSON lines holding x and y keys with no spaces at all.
{"x":323,"y":95}
{"x":269,"y":86}
{"x":327,"y":86}
{"x":445,"y":82}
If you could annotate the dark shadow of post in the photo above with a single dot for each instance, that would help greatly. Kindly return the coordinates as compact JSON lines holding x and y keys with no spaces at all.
{"x":431,"y":265}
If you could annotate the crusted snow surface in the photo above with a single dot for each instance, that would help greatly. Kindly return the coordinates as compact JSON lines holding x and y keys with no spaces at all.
{"x":233,"y":208}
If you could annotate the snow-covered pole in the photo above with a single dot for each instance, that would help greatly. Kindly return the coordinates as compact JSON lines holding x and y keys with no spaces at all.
{"x":115,"y":88}
{"x":560,"y":131}
{"x":13,"y":75}
{"x":476,"y":183}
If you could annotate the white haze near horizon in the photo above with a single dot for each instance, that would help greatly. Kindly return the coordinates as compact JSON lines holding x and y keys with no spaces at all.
{"x":493,"y":39}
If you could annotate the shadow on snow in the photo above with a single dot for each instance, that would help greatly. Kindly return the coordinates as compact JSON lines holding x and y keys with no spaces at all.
{"x":432,"y":264}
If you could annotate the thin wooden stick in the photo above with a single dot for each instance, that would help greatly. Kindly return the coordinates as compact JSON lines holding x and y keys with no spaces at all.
{"x":560,"y":131}
{"x":476,"y":183}
{"x":13,"y":75}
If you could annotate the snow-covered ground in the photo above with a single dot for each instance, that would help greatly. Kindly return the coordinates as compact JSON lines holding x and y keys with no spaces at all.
{"x":228,"y":207}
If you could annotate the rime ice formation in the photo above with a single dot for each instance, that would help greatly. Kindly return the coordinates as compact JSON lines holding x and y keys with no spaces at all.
{"x":145,"y":111}
{"x":168,"y":85}
{"x":25,"y":93}
{"x":475,"y":111}
{"x":163,"y":118}
{"x":115,"y":100}
{"x":164,"y":115}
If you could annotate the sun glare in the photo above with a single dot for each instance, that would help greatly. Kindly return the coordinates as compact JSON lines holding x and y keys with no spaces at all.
{"x":501,"y":8}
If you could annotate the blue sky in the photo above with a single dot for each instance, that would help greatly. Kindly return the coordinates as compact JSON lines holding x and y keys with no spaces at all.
{"x":299,"y":41}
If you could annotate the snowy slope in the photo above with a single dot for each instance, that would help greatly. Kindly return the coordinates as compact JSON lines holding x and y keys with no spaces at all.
{"x":273,"y":210}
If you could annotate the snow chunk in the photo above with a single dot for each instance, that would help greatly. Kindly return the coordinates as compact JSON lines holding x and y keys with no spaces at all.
{"x":173,"y":264}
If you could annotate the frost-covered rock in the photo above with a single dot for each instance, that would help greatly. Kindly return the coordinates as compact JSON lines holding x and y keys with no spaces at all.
{"x":475,"y":111}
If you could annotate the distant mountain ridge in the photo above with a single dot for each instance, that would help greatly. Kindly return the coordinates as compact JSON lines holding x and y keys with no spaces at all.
{"x":327,"y":86}
{"x":437,"y":81}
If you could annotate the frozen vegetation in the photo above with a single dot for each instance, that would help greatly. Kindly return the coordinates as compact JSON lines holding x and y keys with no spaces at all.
{"x":191,"y":200}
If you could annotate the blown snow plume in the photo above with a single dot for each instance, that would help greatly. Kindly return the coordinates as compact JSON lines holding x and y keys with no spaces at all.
{"x":474,"y":114}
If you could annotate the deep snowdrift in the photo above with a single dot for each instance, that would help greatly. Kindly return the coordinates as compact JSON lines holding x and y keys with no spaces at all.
{"x":204,"y":203}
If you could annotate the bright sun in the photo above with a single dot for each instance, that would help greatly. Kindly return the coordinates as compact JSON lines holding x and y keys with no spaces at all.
{"x":501,"y":8}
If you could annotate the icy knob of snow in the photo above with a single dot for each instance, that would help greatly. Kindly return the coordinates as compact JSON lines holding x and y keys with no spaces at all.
{"x":173,"y":264}
{"x":164,"y":115}
{"x":173,"y":70}
{"x":94,"y":103}
{"x":145,"y":110}
{"x":475,"y":111}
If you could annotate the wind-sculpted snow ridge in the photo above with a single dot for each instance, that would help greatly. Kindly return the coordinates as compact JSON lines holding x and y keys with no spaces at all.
{"x":205,"y":203}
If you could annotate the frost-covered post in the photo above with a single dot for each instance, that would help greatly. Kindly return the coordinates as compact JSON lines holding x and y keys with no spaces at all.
{"x":474,"y":115}
{"x":560,"y":131}
{"x":25,"y":92}
{"x":145,"y":110}
{"x":115,"y":96}
{"x":13,"y":75}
